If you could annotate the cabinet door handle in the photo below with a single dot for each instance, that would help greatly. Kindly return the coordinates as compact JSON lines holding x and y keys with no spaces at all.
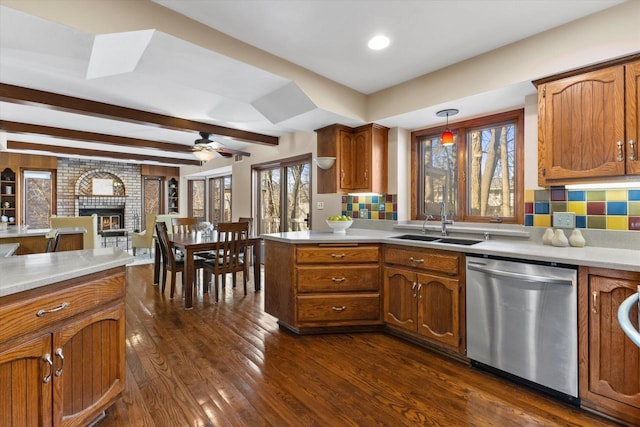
{"x":42,"y":312}
{"x":632,"y":150}
{"x":338,"y":256}
{"x":61,"y":356}
{"x":594,"y":302}
{"x":416,"y":260}
{"x":418,"y":291}
{"x":47,"y":358}
{"x":338,"y":279}
{"x":338,"y":309}
{"x":620,"y":153}
{"x":413,"y":290}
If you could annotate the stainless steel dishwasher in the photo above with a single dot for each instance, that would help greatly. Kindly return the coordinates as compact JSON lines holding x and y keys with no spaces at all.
{"x":522,"y":320}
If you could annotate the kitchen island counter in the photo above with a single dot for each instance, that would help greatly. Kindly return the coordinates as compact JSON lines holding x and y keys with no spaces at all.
{"x":33,"y":241}
{"x":21,"y":273}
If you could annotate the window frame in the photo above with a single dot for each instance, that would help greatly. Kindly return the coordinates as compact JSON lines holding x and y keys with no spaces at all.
{"x":190,"y":189}
{"x":282,"y":165}
{"x":461,"y":130}
{"x":212,"y":188}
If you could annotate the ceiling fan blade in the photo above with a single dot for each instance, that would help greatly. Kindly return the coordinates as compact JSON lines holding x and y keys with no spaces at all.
{"x":228,"y":152}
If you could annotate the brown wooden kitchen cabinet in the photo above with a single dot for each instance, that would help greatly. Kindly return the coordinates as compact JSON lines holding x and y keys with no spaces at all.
{"x":424,"y":295}
{"x":62,"y":351}
{"x":331,"y":286}
{"x":588,"y":125}
{"x":361,"y":159}
{"x":609,"y":360}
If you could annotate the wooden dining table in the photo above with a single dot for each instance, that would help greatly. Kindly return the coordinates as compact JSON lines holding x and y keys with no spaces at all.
{"x":189,"y":244}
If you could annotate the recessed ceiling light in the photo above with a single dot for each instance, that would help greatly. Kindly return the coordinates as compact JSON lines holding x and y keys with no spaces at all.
{"x":378,"y":42}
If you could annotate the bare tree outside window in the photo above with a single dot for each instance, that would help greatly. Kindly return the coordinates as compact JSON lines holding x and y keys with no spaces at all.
{"x":197,"y":198}
{"x":491,"y":171}
{"x":284,"y":195}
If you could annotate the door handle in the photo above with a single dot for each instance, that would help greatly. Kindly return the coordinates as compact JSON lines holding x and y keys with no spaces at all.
{"x":632,"y":150}
{"x":61,"y":356}
{"x":594,"y":302}
{"x":47,"y":358}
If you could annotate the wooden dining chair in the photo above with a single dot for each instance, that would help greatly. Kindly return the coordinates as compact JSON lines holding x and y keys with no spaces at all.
{"x":250,"y":250}
{"x":233,"y":238}
{"x":171,"y":261}
{"x":184,"y":225}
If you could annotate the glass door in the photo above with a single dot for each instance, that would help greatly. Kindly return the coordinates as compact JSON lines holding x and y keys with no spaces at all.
{"x":151,"y":199}
{"x":298,"y":197}
{"x":38,"y":198}
{"x":284,"y":206}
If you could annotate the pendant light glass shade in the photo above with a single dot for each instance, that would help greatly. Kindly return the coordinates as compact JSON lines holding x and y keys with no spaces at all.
{"x":447,"y":138}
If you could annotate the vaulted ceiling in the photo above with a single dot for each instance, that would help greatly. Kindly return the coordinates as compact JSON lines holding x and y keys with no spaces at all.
{"x":137,"y":80}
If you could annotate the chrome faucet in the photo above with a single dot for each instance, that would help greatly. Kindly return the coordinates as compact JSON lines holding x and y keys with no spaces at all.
{"x":424,"y":223}
{"x":443,"y":217}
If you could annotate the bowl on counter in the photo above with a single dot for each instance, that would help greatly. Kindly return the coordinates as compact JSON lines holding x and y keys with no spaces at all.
{"x":339,"y":227}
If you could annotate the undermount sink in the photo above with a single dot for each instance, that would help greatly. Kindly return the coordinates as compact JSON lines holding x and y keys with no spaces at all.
{"x":417,"y":237}
{"x":467,"y":242}
{"x":434,"y":239}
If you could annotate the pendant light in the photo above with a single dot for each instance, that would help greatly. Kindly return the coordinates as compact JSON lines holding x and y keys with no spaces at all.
{"x":447,"y":135}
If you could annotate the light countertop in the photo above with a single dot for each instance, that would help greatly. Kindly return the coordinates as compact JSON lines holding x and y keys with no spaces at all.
{"x":590,"y":256}
{"x":8,"y":249}
{"x":19,"y":231}
{"x":21,"y":273}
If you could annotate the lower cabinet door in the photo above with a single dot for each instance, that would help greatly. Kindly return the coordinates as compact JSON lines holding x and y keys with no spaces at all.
{"x":26,"y":378}
{"x":400,"y":292}
{"x":338,"y":310}
{"x":614,"y":360}
{"x":438,"y":309}
{"x":89,"y":361}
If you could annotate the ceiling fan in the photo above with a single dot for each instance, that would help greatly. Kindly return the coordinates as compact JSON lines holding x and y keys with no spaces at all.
{"x":205,"y":148}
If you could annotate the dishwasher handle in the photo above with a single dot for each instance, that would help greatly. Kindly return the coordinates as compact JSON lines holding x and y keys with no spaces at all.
{"x":524,"y":277}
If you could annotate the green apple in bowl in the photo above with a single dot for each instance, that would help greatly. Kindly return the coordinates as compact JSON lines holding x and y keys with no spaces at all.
{"x":339,"y":223}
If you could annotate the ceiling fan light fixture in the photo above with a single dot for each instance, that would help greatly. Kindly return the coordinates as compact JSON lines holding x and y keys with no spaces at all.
{"x":447,"y":138}
{"x":204,"y":155}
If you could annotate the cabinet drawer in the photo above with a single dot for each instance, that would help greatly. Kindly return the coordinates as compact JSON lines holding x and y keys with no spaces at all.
{"x":20,"y":316}
{"x":336,"y":254}
{"x":338,"y":308}
{"x":424,"y":259}
{"x":338,"y":278}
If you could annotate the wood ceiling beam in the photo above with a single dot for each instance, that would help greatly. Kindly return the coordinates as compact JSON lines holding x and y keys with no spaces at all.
{"x":54,"y":101}
{"x":55,"y":149}
{"x":99,"y":138}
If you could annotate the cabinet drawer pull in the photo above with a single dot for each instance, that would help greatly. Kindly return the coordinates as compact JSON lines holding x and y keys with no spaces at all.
{"x":61,"y":356}
{"x":338,"y":279}
{"x":338,"y":256}
{"x":416,"y":260}
{"x":47,"y":358}
{"x":334,"y":308}
{"x":62,"y":306}
{"x":620,"y":157}
{"x":632,"y":150}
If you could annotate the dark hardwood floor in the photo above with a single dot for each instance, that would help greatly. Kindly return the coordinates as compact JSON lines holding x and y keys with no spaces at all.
{"x":228,"y":363}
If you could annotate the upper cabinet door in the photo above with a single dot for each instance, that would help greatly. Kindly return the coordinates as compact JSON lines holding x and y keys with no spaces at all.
{"x":632,"y":71}
{"x":582,"y":129}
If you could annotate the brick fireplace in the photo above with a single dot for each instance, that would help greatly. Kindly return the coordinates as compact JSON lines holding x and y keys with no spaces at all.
{"x":74,"y":193}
